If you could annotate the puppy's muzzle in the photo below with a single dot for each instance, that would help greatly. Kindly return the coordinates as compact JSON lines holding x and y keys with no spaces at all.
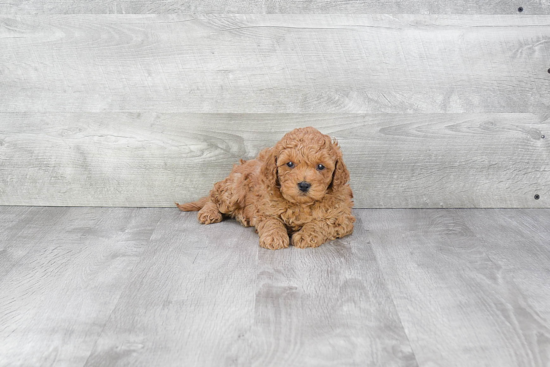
{"x":304,"y":186}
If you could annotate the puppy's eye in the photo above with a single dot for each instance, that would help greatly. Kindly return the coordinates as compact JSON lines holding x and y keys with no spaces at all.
{"x":290,"y":164}
{"x":320,"y":167}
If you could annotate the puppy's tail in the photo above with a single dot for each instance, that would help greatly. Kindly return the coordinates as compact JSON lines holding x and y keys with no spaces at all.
{"x":194,"y":206}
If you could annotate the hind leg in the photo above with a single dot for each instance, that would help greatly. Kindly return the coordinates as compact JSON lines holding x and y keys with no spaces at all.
{"x":209,"y":214}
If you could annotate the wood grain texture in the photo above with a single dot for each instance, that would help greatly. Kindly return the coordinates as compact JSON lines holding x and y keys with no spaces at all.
{"x":124,"y":286}
{"x":534,"y":224}
{"x":13,"y":7}
{"x":190,"y":301}
{"x":275,"y":63}
{"x":470,"y":286}
{"x":57,"y":297}
{"x":29,"y":226}
{"x":354,"y":321}
{"x":396,"y":161}
{"x":223,"y":307}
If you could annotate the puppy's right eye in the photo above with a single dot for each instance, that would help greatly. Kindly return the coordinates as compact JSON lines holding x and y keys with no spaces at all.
{"x":290,"y":164}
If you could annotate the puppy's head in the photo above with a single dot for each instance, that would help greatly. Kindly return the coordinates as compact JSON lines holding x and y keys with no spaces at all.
{"x":305,"y":165}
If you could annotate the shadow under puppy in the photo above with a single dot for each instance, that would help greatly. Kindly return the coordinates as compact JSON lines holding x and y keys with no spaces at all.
{"x":295,"y":192}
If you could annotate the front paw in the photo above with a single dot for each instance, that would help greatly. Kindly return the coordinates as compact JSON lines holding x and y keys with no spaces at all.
{"x":274,"y":240}
{"x":307,"y":238}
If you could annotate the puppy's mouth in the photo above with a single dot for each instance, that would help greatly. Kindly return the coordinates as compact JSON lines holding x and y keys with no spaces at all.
{"x":304,"y":199}
{"x":300,"y":197}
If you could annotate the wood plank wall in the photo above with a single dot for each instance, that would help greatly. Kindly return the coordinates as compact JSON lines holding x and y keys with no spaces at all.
{"x":140,"y":103}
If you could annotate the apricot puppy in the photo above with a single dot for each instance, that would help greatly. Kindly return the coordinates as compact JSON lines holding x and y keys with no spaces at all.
{"x":295,"y":192}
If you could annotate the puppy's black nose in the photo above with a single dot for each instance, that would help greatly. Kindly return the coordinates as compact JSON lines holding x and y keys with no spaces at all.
{"x":304,"y":186}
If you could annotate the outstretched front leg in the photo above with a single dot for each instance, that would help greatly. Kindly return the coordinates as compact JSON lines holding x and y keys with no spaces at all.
{"x":209,"y":214}
{"x":315,"y":233}
{"x":273,"y":234}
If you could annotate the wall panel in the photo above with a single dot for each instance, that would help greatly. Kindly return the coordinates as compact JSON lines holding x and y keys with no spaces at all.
{"x":151,"y":159}
{"x":275,"y":64}
{"x":274,"y":6}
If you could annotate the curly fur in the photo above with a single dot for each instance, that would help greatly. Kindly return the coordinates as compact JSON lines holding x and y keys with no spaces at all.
{"x":264,"y":193}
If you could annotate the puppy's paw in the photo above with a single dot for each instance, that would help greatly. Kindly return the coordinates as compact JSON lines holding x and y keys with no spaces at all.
{"x":307,"y":238}
{"x":209,"y":215}
{"x":275,"y":240}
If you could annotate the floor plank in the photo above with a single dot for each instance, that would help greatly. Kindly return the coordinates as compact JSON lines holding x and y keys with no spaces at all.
{"x":195,"y":302}
{"x":56,"y":299}
{"x":125,"y":286}
{"x":190,"y":301}
{"x":23,"y":228}
{"x":327,"y":307}
{"x":470,"y":288}
{"x":523,"y":256}
{"x":532,"y":221}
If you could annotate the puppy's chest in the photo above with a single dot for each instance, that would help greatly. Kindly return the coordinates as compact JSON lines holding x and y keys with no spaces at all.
{"x":296,"y":217}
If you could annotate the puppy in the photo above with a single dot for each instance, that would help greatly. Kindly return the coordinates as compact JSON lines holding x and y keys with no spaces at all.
{"x":296,"y":192}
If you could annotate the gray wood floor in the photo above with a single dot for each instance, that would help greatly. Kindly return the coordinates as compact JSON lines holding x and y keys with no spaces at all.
{"x":152,"y":287}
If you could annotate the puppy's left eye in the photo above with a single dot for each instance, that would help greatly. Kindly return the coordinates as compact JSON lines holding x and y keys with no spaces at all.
{"x":320,"y":167}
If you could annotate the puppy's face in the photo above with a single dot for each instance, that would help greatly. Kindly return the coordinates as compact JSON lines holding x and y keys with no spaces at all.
{"x":303,"y":166}
{"x":305,"y":173}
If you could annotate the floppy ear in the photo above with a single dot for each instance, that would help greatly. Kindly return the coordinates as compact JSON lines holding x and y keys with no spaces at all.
{"x":269,"y":167}
{"x":340,"y":176}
